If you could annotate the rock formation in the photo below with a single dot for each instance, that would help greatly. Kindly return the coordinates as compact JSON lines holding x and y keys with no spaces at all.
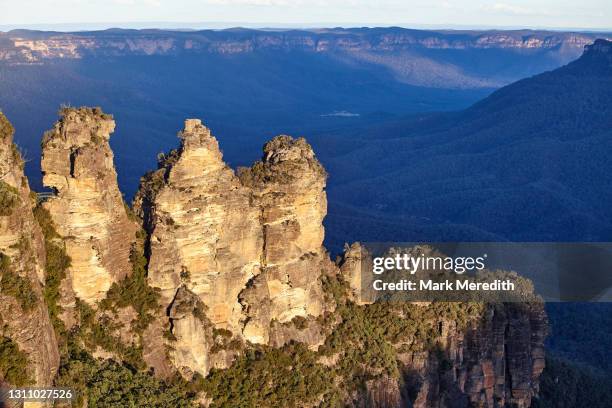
{"x":241,"y":270}
{"x":23,"y":312}
{"x":288,"y":188}
{"x":249,"y":247}
{"x":205,"y":233}
{"x":88,"y":208}
{"x":495,"y":363}
{"x":193,"y":339}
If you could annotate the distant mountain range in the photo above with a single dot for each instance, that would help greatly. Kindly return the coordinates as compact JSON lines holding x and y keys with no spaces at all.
{"x":445,"y":59}
{"x":531,"y":162}
{"x":249,"y":85}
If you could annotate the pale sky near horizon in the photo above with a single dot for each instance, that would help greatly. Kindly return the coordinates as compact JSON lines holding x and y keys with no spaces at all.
{"x":561,"y":14}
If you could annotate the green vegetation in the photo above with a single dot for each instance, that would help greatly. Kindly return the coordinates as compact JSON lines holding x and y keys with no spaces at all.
{"x":364,"y":345}
{"x":9,"y":199}
{"x":300,"y":322}
{"x":57,"y":263}
{"x":16,"y":286}
{"x":134,"y":291}
{"x":13,"y":363}
{"x":6,"y":129}
{"x":17,"y":157}
{"x":582,"y":332}
{"x":97,"y":330}
{"x":269,"y":377}
{"x":376,"y":333}
{"x":85,"y":111}
{"x":109,"y":384}
{"x":224,"y":341}
{"x":166,"y":161}
{"x":131,"y":214}
{"x":569,"y":385}
{"x":363,"y":342}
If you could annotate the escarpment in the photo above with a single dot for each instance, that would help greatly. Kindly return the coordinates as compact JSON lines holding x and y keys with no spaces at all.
{"x":27,"y":336}
{"x":230,"y":284}
{"x":495,"y":362}
{"x":87,"y":208}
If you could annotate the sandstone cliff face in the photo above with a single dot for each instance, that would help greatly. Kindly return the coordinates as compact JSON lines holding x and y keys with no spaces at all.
{"x":249,"y":248}
{"x":288,"y":188}
{"x":23,"y":314}
{"x":239,"y":258}
{"x":23,"y":47}
{"x":495,"y":363}
{"x":193,"y":337}
{"x":88,"y":209}
{"x":205,"y":233}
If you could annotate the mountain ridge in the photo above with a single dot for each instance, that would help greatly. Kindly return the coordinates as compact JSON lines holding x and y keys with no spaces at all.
{"x":367,"y":44}
{"x":537,"y":136}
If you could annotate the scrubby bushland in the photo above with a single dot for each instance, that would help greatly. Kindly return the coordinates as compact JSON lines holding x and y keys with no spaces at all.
{"x":108,"y":384}
{"x":57,"y":262}
{"x":12,"y":284}
{"x":134,"y":290}
{"x":9,"y":199}
{"x":565,"y":384}
{"x":13,"y":363}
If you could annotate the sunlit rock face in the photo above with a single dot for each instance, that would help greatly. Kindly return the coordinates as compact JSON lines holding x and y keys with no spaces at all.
{"x":205,"y":232}
{"x":23,"y":252}
{"x":192,"y":334}
{"x":288,"y":188}
{"x":249,"y":246}
{"x":238,"y":258}
{"x":88,"y":209}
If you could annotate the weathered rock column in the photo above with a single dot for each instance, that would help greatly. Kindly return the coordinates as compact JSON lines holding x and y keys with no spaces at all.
{"x":204,"y":231}
{"x":249,"y":247}
{"x":289,"y":187}
{"x":88,"y":209}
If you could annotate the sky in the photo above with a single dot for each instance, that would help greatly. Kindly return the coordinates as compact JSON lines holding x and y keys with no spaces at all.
{"x":87,"y":14}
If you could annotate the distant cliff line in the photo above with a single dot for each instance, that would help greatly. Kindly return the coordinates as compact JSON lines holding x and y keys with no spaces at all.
{"x":25,"y":46}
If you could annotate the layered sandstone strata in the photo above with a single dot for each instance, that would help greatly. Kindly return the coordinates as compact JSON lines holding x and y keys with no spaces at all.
{"x":238,"y":258}
{"x":495,"y":362}
{"x":23,"y":313}
{"x":204,"y":230}
{"x":88,"y":208}
{"x":249,"y":247}
{"x":288,"y":187}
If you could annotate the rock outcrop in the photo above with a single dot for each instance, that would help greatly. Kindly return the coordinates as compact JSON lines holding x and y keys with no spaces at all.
{"x":204,"y":231}
{"x":88,"y":208}
{"x":288,"y":188}
{"x":23,"y":313}
{"x":494,"y":363}
{"x":241,"y":270}
{"x":249,"y":247}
